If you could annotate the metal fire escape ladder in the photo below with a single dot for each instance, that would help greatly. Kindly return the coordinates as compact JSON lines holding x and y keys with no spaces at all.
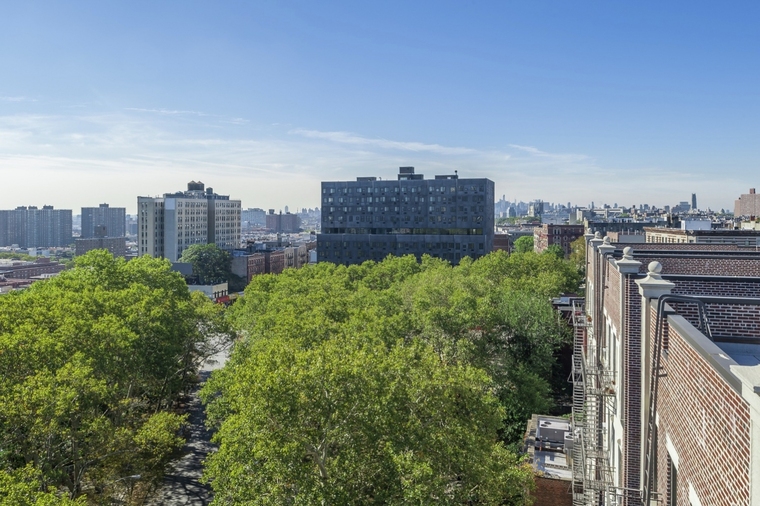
{"x":656,"y":373}
{"x":580,"y":328}
{"x":592,"y":473}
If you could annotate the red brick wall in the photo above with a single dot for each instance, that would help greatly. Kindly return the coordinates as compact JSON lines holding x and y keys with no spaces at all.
{"x":551,"y":492}
{"x":707,"y":422}
{"x":726,"y":266}
{"x":632,"y":445}
{"x":679,"y":247}
{"x":725,"y":320}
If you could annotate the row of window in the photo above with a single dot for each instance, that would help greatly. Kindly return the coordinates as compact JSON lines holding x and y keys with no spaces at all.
{"x":430,"y":220}
{"x":402,"y":231}
{"x":412,"y":209}
{"x":404,"y":189}
{"x":391,"y":246}
{"x":362,"y":200}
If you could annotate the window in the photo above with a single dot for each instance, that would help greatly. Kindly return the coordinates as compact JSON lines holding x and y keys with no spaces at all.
{"x":672,"y":492}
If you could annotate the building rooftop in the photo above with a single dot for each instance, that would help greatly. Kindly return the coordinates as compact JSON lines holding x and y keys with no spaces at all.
{"x":745,"y":354}
{"x":547,"y":442}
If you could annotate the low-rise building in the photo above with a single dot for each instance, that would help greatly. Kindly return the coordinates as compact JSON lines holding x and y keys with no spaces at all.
{"x":214,"y":292}
{"x":561,"y":235}
{"x":116,"y":245}
{"x":18,"y":269}
{"x":746,"y":238}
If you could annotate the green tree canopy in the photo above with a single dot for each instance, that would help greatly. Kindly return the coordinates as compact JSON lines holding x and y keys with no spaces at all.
{"x":578,"y":254}
{"x":486,"y":328}
{"x":90,"y":362}
{"x":523,"y":244}
{"x":348,"y":422}
{"x":556,"y":250}
{"x":210,"y":263}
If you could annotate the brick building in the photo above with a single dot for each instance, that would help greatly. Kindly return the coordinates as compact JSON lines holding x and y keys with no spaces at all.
{"x":283,"y":223}
{"x":250,"y":263}
{"x":669,"y":338}
{"x":116,"y":245}
{"x":748,"y":204}
{"x":17,"y":269}
{"x":747,"y":238}
{"x":562,"y":235}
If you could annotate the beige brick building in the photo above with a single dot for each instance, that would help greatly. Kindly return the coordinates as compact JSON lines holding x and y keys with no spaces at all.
{"x":748,"y":204}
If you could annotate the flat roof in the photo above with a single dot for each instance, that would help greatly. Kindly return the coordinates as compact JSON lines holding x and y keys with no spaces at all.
{"x":552,"y":464}
{"x":742,"y":353}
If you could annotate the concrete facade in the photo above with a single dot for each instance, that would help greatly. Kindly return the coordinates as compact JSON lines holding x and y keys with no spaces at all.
{"x":114,"y":219}
{"x":168,"y":225}
{"x":369,"y":219}
{"x":30,"y":227}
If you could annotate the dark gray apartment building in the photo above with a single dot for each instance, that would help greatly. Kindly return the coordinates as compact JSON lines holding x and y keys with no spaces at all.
{"x":114,"y":219}
{"x":368,"y":219}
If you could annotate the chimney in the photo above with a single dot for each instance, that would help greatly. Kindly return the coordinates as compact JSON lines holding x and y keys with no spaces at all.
{"x":751,"y":191}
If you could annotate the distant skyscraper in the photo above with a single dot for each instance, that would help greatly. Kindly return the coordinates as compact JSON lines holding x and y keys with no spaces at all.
{"x":369,"y":219}
{"x":170,"y":224}
{"x":113,"y":218}
{"x":30,"y":227}
{"x":693,"y":201}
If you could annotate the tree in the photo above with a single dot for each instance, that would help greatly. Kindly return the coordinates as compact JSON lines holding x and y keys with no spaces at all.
{"x":22,"y":487}
{"x":556,"y":250}
{"x":90,"y":363}
{"x":310,"y":330}
{"x":210,"y":263}
{"x":578,"y":254}
{"x":353,"y":422}
{"x":523,"y":244}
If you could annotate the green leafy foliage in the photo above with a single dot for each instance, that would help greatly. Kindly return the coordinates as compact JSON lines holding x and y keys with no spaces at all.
{"x":22,"y":487}
{"x":398,"y":382}
{"x":578,"y":254}
{"x":523,"y":244}
{"x":17,"y":256}
{"x":210,"y":263}
{"x":556,"y":250}
{"x":89,"y":362}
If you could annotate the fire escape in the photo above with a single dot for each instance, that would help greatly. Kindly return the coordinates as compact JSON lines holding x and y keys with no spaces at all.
{"x":593,"y":394}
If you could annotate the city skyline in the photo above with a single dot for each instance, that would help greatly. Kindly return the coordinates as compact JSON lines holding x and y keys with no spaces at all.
{"x":642,"y":103}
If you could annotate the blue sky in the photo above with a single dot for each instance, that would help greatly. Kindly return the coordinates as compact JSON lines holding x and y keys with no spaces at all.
{"x":636,"y":102}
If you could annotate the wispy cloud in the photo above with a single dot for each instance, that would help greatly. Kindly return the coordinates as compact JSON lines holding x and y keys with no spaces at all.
{"x":169,"y":112}
{"x":176,"y":112}
{"x":349,"y":138}
{"x":17,"y":99}
{"x":132,"y":153}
